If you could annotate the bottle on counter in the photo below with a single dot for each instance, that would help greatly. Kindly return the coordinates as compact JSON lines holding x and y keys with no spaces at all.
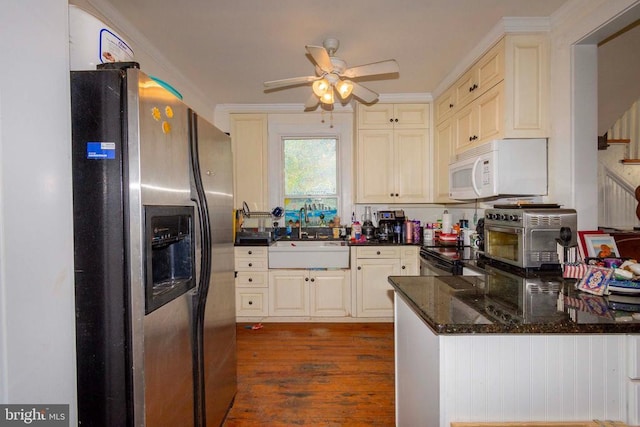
{"x":408,"y":231}
{"x":397,"y":233}
{"x":428,"y":233}
{"x":356,"y":230}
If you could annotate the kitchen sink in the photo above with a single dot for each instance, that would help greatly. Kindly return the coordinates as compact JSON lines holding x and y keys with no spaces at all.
{"x":309,"y":254}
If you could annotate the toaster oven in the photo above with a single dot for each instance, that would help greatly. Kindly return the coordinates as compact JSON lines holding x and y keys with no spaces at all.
{"x":525,"y":237}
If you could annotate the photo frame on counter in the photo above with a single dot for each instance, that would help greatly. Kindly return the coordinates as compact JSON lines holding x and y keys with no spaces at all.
{"x":582,"y":245}
{"x":601,"y":246}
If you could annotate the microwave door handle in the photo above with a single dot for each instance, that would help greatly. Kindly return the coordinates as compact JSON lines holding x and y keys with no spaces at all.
{"x":473,"y":176}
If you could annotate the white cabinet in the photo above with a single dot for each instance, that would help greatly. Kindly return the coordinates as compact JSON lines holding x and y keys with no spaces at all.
{"x":249,"y":136}
{"x":373,"y":266}
{"x":316,"y":293}
{"x":393,"y":116}
{"x":393,"y":157}
{"x":481,"y":120}
{"x":443,"y":152}
{"x":505,"y":94}
{"x":252,"y":281}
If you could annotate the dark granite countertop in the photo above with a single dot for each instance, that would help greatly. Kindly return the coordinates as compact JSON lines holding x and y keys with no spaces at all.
{"x":497,"y":303}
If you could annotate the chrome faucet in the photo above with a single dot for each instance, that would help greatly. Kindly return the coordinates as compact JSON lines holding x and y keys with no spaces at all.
{"x":306,"y":221}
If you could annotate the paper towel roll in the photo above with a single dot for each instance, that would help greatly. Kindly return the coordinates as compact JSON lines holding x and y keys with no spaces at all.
{"x":447,"y":221}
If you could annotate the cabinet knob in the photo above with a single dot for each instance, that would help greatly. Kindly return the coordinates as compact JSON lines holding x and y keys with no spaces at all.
{"x":390,"y":120}
{"x":397,"y":195}
{"x":390,"y":194}
{"x":306,"y":279}
{"x":250,"y":280}
{"x":359,"y":268}
{"x":396,"y":120}
{"x":250,"y":265}
{"x":450,"y":105}
{"x":313,"y":280}
{"x":250,"y":302}
{"x":474,"y":87}
{"x":250,"y":252}
{"x":404,"y":267}
{"x":378,"y":253}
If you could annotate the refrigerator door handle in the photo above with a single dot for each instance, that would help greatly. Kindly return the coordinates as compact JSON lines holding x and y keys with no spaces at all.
{"x":200,"y":296}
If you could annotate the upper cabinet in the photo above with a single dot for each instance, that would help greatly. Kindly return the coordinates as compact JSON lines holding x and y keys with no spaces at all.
{"x":393,"y":116}
{"x":503,"y":95}
{"x":392,"y":154}
{"x":249,"y":136}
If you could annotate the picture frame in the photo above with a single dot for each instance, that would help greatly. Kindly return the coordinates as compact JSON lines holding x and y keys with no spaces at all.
{"x":582,"y":246}
{"x":601,"y":246}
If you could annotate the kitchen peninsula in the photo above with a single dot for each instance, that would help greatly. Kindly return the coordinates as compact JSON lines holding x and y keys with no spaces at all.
{"x":467,"y":349}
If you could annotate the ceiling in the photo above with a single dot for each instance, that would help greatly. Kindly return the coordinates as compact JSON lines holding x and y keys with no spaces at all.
{"x":227,"y":49}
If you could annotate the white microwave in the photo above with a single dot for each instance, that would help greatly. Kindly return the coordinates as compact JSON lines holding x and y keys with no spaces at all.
{"x":504,"y":167}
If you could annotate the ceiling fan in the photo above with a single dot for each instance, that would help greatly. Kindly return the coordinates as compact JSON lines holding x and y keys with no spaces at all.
{"x":332,"y":75}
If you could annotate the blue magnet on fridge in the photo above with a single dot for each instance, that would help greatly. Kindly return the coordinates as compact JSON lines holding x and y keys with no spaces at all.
{"x":101,"y":150}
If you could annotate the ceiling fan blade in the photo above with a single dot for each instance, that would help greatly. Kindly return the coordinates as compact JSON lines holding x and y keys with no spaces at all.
{"x":382,"y":67}
{"x":312,"y":102}
{"x":290,"y":82}
{"x":365,"y":95}
{"x":321,"y":57}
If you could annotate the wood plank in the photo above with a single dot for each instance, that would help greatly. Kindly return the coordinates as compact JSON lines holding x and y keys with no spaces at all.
{"x":630,"y":161}
{"x":315,"y":374}
{"x":618,"y":141}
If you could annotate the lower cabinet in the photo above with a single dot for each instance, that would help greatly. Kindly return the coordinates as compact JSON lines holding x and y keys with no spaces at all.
{"x":252,"y":281}
{"x":316,"y":293}
{"x":373,"y":265}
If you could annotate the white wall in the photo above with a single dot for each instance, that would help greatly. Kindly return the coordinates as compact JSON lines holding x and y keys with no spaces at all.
{"x":37,"y":324}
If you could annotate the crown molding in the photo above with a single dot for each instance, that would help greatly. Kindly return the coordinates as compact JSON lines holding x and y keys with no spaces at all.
{"x":507,"y":25}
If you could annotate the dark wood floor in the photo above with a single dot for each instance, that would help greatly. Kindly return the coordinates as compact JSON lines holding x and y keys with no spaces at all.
{"x":315,"y":374}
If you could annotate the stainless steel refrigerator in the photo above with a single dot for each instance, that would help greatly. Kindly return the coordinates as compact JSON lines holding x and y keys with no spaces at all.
{"x":153,"y":212}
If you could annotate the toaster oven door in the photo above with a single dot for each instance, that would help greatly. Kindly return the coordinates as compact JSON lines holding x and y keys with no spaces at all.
{"x":505,"y":244}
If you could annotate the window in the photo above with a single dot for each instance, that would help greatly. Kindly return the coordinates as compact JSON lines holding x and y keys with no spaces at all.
{"x":310,"y":180}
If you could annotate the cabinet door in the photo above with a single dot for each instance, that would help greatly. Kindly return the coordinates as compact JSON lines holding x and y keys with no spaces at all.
{"x":251,"y":302}
{"x":465,"y":128}
{"x":490,"y":68}
{"x":445,"y":105}
{"x":410,"y":261}
{"x":288,"y":293}
{"x":378,"y":116}
{"x":249,"y":145}
{"x":527,"y":86}
{"x":375,"y":180}
{"x":412,"y":169}
{"x":374,"y":294}
{"x":442,"y":156}
{"x":411,"y":116}
{"x":330,"y":293}
{"x":490,"y":115}
{"x":464,"y":87}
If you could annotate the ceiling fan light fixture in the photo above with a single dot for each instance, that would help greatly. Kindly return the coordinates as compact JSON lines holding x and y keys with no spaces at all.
{"x":344,"y":88}
{"x":320,"y":87}
{"x":327,"y":97}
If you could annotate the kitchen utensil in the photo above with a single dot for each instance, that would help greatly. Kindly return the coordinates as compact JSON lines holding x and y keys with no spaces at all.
{"x":277,"y":212}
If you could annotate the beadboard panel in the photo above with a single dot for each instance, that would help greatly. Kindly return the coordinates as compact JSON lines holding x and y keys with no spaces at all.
{"x":533,"y":378}
{"x":633,"y":417}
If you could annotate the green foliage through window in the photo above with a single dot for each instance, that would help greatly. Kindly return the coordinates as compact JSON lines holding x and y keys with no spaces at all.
{"x":310,"y":167}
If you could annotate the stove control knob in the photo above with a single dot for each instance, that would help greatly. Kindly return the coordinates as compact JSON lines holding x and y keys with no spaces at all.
{"x":489,"y":216}
{"x":504,"y":217}
{"x":514,"y":218}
